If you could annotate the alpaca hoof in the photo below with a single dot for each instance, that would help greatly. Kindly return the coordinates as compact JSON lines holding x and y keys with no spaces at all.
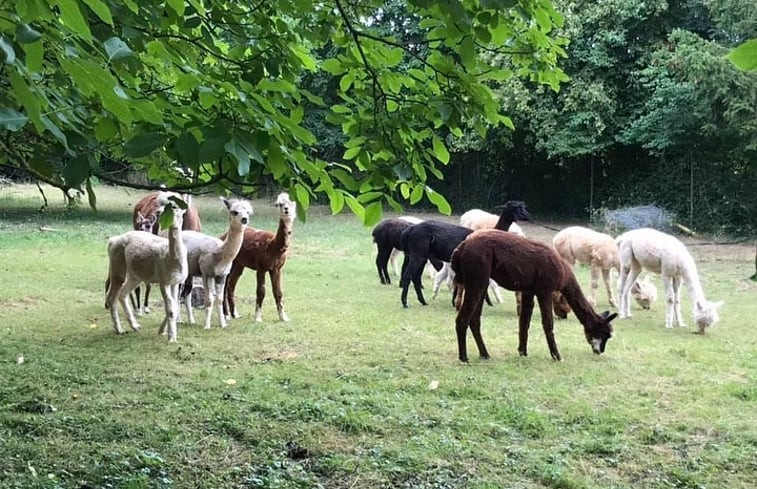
{"x":485,"y":357}
{"x":206,"y":327}
{"x":284,"y":318}
{"x":523,"y":353}
{"x":172,"y":340}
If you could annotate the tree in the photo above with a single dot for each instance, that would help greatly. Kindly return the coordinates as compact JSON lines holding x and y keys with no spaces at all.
{"x":210,"y":91}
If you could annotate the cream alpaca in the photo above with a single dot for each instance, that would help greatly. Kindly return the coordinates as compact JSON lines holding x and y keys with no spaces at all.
{"x":210,"y":258}
{"x":600,"y":252}
{"x":139,"y":256}
{"x":664,"y":254}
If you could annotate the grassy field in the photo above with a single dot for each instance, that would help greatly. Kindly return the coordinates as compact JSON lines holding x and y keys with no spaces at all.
{"x":354,"y":391}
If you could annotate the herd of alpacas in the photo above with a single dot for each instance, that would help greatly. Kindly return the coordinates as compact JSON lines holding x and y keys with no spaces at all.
{"x":475,"y":258}
{"x":174,"y":257}
{"x":488,"y":251}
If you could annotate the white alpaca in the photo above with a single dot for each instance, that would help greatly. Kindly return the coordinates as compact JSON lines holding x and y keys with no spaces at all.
{"x":475,"y":219}
{"x":138,"y":256}
{"x":600,"y":252}
{"x":664,"y":254}
{"x":211,"y":258}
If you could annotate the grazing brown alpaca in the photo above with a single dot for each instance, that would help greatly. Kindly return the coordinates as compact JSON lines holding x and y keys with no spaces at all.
{"x":524,"y":265}
{"x":264,"y":252}
{"x":145,"y":217}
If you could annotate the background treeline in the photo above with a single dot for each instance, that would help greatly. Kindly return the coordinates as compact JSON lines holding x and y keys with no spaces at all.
{"x":653,"y":113}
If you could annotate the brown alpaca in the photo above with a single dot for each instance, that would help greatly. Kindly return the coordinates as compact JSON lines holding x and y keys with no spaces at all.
{"x":524,"y":265}
{"x":146,"y":217}
{"x":264,"y":252}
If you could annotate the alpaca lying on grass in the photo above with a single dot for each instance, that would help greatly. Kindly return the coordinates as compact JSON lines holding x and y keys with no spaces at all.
{"x":210,"y":258}
{"x":264,"y":252}
{"x":663,"y":254}
{"x":145,"y":218}
{"x":136,"y":257}
{"x":436,"y":239}
{"x":600,"y":252}
{"x":528,"y":266}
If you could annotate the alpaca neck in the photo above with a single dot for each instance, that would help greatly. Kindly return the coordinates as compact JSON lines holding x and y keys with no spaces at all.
{"x":232,"y":243}
{"x":283,"y":235}
{"x":577,"y":301}
{"x":691,"y":278}
{"x":504,"y":222}
{"x":176,"y":247}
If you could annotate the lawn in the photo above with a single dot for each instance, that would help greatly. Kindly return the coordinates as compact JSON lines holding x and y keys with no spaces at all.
{"x":354,"y":391}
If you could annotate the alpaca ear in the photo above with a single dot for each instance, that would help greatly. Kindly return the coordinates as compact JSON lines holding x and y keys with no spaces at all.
{"x":226,"y":202}
{"x":611,"y":317}
{"x":140,"y":216}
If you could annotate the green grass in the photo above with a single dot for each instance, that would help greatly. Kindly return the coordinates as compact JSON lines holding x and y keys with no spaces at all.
{"x":339,"y":397}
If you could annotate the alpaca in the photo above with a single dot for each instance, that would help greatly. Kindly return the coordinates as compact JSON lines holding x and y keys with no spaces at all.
{"x":528,"y":266}
{"x":145,"y":217}
{"x":436,"y":239}
{"x":138,"y":256}
{"x":387,"y":236}
{"x":211,"y":257}
{"x":663,"y":254}
{"x":600,"y":252}
{"x":264,"y":252}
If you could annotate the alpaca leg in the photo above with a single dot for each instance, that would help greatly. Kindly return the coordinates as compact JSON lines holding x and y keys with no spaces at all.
{"x":622,"y":279}
{"x":412,"y":269}
{"x":677,"y":297}
{"x":518,"y":302}
{"x":219,"y":287}
{"x":443,"y":275}
{"x":278,"y":294}
{"x":524,"y":322}
{"x":385,"y":254}
{"x":126,"y":289}
{"x":667,"y":282}
{"x":475,"y":328}
{"x":170,"y":295}
{"x":146,"y":305}
{"x":631,"y":274}
{"x":210,"y":296}
{"x":135,"y":303}
{"x":494,"y":287}
{"x":594,"y":271}
{"x":111,"y":303}
{"x":188,"y":299}
{"x":230,"y":305}
{"x":393,"y":257}
{"x":471,"y":300}
{"x":548,"y":324}
{"x":606,"y":279}
{"x":260,"y":295}
{"x":418,"y":286}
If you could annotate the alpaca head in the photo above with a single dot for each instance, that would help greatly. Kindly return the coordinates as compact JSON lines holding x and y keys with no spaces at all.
{"x":644,"y":292}
{"x":171,"y":209}
{"x":706,"y":314}
{"x":145,"y":223}
{"x":599,"y":332}
{"x":239,"y":212}
{"x":515,"y":210}
{"x":287,"y":208}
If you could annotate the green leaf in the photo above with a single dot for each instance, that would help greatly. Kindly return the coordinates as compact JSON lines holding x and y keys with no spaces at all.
{"x":745,"y":56}
{"x":439,"y":201}
{"x":71,"y":17}
{"x":177,"y":6}
{"x":117,"y":49}
{"x":416,"y":194}
{"x":276,"y":161}
{"x":166,"y":217}
{"x":355,"y":206}
{"x":12,"y":120}
{"x":7,"y":48}
{"x":55,"y":130}
{"x":91,"y":197}
{"x":26,"y":35}
{"x":440,"y":150}
{"x":302,"y":195}
{"x":101,"y":10}
{"x":143,"y":144}
{"x":373,"y":212}
{"x":243,"y":159}
{"x":35,"y":53}
{"x":188,"y":149}
{"x":105,"y":129}
{"x":336,"y":201}
{"x":351,"y":153}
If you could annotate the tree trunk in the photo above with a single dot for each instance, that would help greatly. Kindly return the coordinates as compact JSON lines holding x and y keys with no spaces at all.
{"x":754,"y":277}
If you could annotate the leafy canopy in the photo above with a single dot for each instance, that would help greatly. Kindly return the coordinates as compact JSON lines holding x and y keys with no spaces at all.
{"x":203,"y":92}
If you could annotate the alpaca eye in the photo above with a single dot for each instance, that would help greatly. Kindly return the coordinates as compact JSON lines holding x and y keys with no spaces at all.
{"x":234,"y":213}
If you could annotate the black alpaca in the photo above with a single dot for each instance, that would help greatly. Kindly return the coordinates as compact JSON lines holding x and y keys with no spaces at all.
{"x":437,"y":240}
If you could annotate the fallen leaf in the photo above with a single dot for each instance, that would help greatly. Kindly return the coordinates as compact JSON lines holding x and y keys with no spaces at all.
{"x":20,"y":359}
{"x":230,"y":381}
{"x":92,"y":325}
{"x":433,"y":385}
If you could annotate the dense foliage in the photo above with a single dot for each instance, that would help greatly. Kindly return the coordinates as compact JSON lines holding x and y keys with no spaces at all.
{"x":217,"y":89}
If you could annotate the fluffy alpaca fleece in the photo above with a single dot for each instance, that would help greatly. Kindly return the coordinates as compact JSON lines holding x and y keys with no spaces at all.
{"x":210,"y":258}
{"x":264,"y":252}
{"x":600,"y":252}
{"x":524,"y":265}
{"x":436,"y":239}
{"x":387,"y":235}
{"x":137,"y":256}
{"x":664,"y":254}
{"x":145,"y":218}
